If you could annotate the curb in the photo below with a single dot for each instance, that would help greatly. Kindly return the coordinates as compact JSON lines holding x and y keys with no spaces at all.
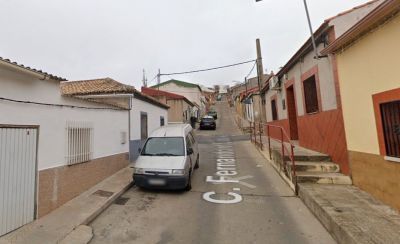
{"x":337,"y":232}
{"x":283,"y":176}
{"x":85,"y":223}
{"x":109,"y":201}
{"x":80,"y":212}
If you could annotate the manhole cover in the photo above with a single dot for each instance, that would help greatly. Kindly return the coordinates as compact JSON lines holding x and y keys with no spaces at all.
{"x":102,"y":193}
{"x":121,"y":200}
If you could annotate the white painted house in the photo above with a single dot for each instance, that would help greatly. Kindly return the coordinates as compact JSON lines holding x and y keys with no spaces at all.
{"x":191,"y":91}
{"x":146,"y":113}
{"x":54,"y":145}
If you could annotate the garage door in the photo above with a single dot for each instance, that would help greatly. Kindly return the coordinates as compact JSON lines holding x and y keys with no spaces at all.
{"x":17,"y":176}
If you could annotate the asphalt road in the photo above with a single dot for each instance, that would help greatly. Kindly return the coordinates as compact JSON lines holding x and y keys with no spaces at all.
{"x":257,"y":207}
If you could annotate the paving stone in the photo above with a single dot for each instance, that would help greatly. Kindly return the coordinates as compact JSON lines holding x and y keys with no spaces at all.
{"x":352,"y":215}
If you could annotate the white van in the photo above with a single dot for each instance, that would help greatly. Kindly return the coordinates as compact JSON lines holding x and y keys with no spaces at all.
{"x":168,"y":158}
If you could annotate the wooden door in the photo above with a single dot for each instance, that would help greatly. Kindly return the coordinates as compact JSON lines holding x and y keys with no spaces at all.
{"x":292,"y":113}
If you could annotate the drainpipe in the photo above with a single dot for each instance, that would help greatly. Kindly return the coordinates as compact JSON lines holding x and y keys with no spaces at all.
{"x":129,"y":125}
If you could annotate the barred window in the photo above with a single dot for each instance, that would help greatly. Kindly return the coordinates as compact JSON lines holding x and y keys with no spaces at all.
{"x":79,"y":146}
{"x":274,"y":110}
{"x":390,"y":113}
{"x":311,"y":95}
{"x":162,"y":121}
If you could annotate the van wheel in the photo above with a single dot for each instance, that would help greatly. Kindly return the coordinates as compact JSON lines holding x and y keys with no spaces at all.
{"x":196,"y":166}
{"x":189,"y":184}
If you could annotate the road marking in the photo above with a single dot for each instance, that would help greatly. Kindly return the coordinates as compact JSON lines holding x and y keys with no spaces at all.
{"x":236,"y":198}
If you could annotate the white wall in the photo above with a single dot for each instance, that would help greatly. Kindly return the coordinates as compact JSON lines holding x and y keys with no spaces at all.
{"x":153,"y":117}
{"x":325,"y":69}
{"x":344,"y":22}
{"x":108,"y":124}
{"x":193,"y":94}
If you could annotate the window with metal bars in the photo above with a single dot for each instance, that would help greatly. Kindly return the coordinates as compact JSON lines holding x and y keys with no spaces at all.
{"x":162,"y":121}
{"x":390,"y":113}
{"x":79,"y":146}
{"x":311,"y":95}
{"x":274,"y":110}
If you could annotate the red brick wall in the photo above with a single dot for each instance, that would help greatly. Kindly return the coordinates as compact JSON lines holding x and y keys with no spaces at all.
{"x":61,"y":184}
{"x":324,"y":132}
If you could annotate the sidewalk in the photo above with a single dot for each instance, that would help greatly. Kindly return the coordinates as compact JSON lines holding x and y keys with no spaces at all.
{"x":348,"y":213}
{"x":67,"y":223}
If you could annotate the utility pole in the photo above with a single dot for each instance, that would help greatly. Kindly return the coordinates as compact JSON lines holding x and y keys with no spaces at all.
{"x":311,"y":31}
{"x":260,"y":75}
{"x":245,"y":104}
{"x":144,"y":78}
{"x":159,"y":77}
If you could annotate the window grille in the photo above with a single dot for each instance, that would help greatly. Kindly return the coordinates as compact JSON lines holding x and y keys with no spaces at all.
{"x":390,"y":113}
{"x":79,"y":142}
{"x":162,"y":121}
{"x":310,"y":95}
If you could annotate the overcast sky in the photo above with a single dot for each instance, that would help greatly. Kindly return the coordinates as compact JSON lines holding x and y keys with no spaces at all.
{"x":86,"y":39}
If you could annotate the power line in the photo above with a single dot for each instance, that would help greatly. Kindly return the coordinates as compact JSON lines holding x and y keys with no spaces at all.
{"x":208,"y":69}
{"x":57,"y":105}
{"x":251,"y":71}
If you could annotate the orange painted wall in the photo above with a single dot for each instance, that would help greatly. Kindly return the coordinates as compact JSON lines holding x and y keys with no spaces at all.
{"x":324,"y":132}
{"x":276,"y":132}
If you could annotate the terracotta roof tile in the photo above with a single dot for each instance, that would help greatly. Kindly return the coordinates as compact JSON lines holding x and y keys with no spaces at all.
{"x":6,"y":60}
{"x":93,"y":87}
{"x":156,"y":93}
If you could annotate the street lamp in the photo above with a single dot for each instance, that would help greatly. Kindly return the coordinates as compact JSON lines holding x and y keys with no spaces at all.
{"x":311,"y":30}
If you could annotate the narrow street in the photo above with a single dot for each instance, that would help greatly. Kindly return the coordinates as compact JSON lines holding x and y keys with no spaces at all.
{"x":268,"y":213}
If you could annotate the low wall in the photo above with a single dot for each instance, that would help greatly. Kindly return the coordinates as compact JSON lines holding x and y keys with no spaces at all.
{"x":324,"y":132}
{"x":61,"y":184}
{"x":377,"y":176}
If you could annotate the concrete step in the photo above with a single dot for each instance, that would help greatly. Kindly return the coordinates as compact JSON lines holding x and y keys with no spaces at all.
{"x":321,"y":167}
{"x":310,"y":158}
{"x":323,"y":178}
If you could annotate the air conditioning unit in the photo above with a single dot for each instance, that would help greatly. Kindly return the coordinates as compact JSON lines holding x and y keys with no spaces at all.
{"x":274,"y":83}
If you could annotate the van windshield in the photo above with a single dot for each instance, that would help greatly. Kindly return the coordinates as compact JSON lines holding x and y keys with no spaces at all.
{"x":164,"y":146}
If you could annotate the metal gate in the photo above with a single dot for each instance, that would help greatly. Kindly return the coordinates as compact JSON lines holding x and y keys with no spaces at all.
{"x":18,"y":150}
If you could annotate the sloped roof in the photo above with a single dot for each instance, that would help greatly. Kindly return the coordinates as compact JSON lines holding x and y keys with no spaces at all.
{"x":146,"y":98}
{"x":179,"y":83}
{"x":352,"y":9}
{"x":169,"y":95}
{"x":105,"y":86}
{"x":51,"y":76}
{"x":376,"y":17}
{"x":94,"y":87}
{"x":318,"y":34}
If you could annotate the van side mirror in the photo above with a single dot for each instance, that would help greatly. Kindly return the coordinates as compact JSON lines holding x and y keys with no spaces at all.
{"x":139,"y":150}
{"x":189,"y":151}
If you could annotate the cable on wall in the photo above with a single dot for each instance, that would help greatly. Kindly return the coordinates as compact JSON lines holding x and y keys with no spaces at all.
{"x":57,"y":105}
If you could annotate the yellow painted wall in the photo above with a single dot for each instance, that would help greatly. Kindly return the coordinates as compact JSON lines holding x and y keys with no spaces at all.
{"x":370,"y":66}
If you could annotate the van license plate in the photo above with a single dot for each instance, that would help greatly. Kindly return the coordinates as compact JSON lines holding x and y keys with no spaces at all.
{"x":157,"y":182}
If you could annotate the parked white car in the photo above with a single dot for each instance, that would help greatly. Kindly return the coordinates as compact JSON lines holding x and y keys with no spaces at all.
{"x":168,"y":159}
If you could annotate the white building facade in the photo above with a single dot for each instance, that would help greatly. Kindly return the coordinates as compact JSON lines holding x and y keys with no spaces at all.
{"x":191,"y":91}
{"x":54,"y":146}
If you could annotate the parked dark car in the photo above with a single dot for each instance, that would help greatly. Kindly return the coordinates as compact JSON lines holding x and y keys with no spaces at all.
{"x":213,"y":114}
{"x":208,"y":122}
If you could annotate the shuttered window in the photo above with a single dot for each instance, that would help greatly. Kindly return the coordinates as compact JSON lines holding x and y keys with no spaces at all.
{"x":310,"y":95}
{"x":274,"y":110}
{"x":391,"y":127}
